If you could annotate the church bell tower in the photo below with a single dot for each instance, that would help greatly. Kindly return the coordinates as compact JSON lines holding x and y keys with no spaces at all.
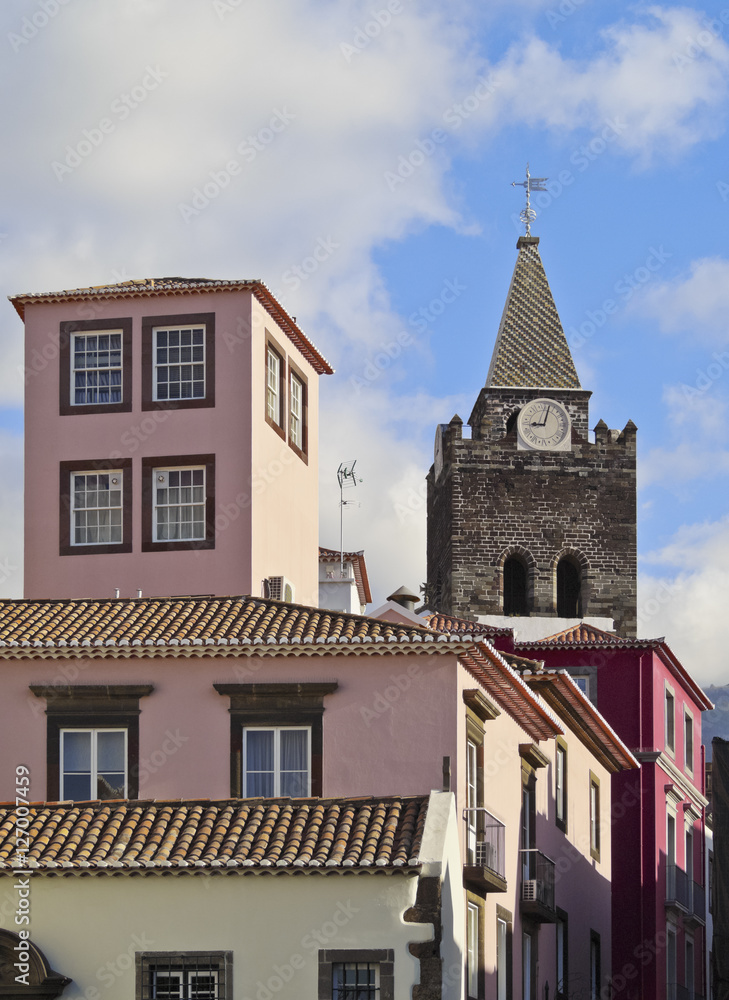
{"x":528,"y":517}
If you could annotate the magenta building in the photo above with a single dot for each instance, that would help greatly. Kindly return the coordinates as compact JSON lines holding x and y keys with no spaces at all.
{"x":658,"y":812}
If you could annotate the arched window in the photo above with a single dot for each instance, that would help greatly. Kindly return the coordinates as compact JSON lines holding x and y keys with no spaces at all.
{"x":569,"y":589}
{"x":515,"y":587}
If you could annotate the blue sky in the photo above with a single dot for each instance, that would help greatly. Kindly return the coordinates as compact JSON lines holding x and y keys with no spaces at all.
{"x":358,"y":157}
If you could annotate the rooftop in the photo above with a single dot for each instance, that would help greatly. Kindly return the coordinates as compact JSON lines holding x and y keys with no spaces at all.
{"x":148,"y":287}
{"x":247,"y":835}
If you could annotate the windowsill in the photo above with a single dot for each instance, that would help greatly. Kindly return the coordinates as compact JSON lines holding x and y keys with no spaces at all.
{"x":177,"y":404}
{"x":83,"y":409}
{"x":298,"y":451}
{"x":179,"y":545}
{"x":104,"y":549}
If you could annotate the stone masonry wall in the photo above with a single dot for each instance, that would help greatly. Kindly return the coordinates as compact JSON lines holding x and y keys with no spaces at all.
{"x":492,"y":499}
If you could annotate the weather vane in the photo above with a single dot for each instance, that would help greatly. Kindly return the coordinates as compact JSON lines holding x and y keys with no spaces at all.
{"x":528,"y":215}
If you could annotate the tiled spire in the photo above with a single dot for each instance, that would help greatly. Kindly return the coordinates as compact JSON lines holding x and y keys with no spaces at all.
{"x":531,"y":349}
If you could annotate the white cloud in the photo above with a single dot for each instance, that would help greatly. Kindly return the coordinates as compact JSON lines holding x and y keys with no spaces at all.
{"x":684,"y":598}
{"x":660,"y":99}
{"x":696,"y":303}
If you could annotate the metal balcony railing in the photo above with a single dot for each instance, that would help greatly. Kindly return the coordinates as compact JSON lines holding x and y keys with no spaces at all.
{"x":677,"y":888}
{"x":677,"y":991}
{"x":486,"y":841}
{"x":698,"y":902}
{"x":537,"y":884}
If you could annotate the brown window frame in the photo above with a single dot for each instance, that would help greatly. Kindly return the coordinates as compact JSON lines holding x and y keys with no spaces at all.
{"x":296,"y":372}
{"x":561,"y":747}
{"x":177,"y":462}
{"x":101,"y":465}
{"x":91,"y":706}
{"x":595,"y":847}
{"x":177,"y":319}
{"x":329,"y":957}
{"x":263,"y":705}
{"x":272,"y":345}
{"x":67,"y":329}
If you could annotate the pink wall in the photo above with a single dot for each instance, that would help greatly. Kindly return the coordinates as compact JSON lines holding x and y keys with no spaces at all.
{"x":254,"y":487}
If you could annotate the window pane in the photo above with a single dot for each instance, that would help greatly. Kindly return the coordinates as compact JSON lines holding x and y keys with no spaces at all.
{"x":175,"y":375}
{"x":76,"y":751}
{"x":77,"y":786}
{"x":96,"y":376}
{"x":110,"y":750}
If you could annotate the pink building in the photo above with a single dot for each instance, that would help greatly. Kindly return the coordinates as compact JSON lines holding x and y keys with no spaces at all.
{"x":658,"y":813}
{"x":244,"y":698}
{"x":179,"y":419}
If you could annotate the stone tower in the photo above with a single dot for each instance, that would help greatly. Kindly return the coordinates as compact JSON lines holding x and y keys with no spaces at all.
{"x":527,"y":516}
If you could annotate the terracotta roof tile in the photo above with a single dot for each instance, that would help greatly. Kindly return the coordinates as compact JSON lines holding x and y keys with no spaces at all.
{"x":463,"y":626}
{"x":583,"y":634}
{"x":27,"y":625}
{"x":239,"y":833}
{"x":148,"y":287}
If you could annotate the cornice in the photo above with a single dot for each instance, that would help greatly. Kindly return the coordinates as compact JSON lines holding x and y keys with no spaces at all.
{"x":688,"y":788}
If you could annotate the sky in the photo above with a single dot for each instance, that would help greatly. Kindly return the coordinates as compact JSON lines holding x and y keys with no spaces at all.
{"x":358,"y":157}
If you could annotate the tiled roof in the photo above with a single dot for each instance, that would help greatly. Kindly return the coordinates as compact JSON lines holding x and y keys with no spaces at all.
{"x":148,"y":287}
{"x":561,"y":692}
{"x":236,"y":834}
{"x":359,"y":567}
{"x":531,"y":348}
{"x":583,"y":634}
{"x":106,"y":626}
{"x":463,"y":626}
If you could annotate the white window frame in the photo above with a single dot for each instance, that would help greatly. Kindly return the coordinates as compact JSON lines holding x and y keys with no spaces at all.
{"x":93,"y":773}
{"x":595,"y":813}
{"x":119,"y":487}
{"x":157,"y":367}
{"x":526,"y":966}
{"x":472,"y":916}
{"x":471,"y":799}
{"x":671,"y":857}
{"x":183,"y":970}
{"x":688,"y":726}
{"x":274,"y":403}
{"x":669,"y":719}
{"x":502,"y":937}
{"x":583,"y":683}
{"x":158,"y":483}
{"x":106,"y":368}
{"x":296,"y":410}
{"x":276,"y":730}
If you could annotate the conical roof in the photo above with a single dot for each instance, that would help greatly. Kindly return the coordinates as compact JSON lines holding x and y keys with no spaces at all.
{"x":531,"y":348}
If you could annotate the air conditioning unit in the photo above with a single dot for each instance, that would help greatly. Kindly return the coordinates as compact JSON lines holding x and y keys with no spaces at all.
{"x":530,"y":890}
{"x":278,"y":588}
{"x":484,"y":855}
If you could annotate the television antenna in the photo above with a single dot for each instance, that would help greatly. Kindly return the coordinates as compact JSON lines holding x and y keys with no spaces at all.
{"x":347,"y":479}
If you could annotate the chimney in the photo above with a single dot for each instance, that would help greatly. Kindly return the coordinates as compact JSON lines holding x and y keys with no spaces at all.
{"x":405,"y":598}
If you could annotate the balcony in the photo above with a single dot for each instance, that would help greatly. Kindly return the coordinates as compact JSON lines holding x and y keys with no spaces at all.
{"x":697,"y":906}
{"x":678,"y":889}
{"x":485,"y":867}
{"x":537,"y":886}
{"x":676,"y":991}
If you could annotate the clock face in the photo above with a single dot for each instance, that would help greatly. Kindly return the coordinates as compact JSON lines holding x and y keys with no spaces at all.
{"x":544,"y":425}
